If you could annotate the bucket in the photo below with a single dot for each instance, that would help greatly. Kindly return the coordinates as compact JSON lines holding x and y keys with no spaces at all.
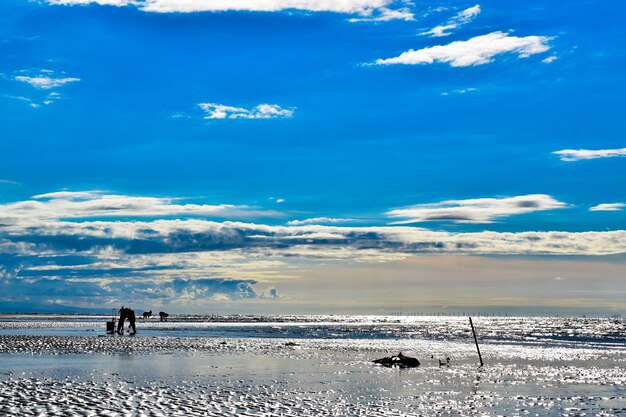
{"x":110,"y":327}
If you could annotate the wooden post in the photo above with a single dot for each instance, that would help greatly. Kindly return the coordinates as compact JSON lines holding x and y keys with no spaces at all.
{"x":476,"y":341}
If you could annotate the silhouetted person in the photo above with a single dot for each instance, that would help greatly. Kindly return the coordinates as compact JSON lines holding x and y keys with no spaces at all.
{"x":120,"y":322}
{"x":131,"y":319}
{"x":126,"y":313}
{"x":146,"y":314}
{"x":163,"y":315}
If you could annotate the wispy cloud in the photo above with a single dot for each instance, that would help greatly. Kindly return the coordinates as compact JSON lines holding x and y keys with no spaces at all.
{"x":479,"y":210}
{"x":376,"y":10}
{"x":20,"y":98}
{"x":45,"y":82}
{"x":479,"y":50}
{"x":50,"y":98}
{"x":608,"y":207}
{"x":386,"y":15}
{"x":571,"y":155}
{"x":549,"y":59}
{"x":454,"y":22}
{"x":9,"y":182}
{"x":459,"y":91}
{"x":117,"y":3}
{"x":262,"y":111}
{"x":318,"y":220}
{"x":98,"y":204}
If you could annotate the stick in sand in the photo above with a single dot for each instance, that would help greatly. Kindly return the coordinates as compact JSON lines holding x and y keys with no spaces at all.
{"x":476,"y":341}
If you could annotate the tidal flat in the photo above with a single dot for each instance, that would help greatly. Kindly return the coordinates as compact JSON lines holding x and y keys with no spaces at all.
{"x":312,"y":366}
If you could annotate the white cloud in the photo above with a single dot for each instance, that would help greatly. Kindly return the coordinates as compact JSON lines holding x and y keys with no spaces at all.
{"x":95,"y":204}
{"x":454,"y":22}
{"x":608,"y":207}
{"x":20,"y":98}
{"x":468,"y":14}
{"x":459,"y":91}
{"x":338,"y":6}
{"x":262,"y":111}
{"x":549,"y":59}
{"x":162,"y":241}
{"x":360,"y":7}
{"x":45,"y":82}
{"x":118,"y":3}
{"x":571,"y":155}
{"x":70,"y":195}
{"x":475,"y":51}
{"x":386,"y":15}
{"x":220,"y":297}
{"x":317,"y":220}
{"x":479,"y":210}
{"x":50,"y":98}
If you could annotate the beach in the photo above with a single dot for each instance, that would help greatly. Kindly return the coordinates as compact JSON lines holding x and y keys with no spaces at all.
{"x":304,"y":365}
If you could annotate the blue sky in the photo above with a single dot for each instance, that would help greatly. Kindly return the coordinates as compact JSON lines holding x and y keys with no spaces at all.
{"x":196,"y":154}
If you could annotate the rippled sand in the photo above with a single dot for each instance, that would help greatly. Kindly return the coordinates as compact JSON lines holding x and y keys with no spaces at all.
{"x":96,"y":375}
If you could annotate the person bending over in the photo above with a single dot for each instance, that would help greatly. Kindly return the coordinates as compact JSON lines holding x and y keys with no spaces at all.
{"x":126,"y":313}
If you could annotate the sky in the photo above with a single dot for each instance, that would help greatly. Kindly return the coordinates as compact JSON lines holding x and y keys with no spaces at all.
{"x":313,"y":156}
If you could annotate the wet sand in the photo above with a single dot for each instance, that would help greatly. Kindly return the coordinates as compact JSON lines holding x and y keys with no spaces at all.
{"x":161,"y":376}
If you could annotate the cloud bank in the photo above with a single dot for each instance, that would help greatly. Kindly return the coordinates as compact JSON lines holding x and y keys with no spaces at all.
{"x":80,"y":222}
{"x":91,"y":245}
{"x":137,"y":238}
{"x":479,"y":50}
{"x":262,"y":111}
{"x":89,"y":221}
{"x":479,"y":210}
{"x":572,"y":155}
{"x":459,"y":19}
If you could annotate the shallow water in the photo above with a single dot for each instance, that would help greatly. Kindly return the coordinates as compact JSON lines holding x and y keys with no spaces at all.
{"x":585,"y":332}
{"x":188,"y":366}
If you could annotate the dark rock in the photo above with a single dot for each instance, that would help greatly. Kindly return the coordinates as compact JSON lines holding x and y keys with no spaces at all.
{"x":399,"y":360}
